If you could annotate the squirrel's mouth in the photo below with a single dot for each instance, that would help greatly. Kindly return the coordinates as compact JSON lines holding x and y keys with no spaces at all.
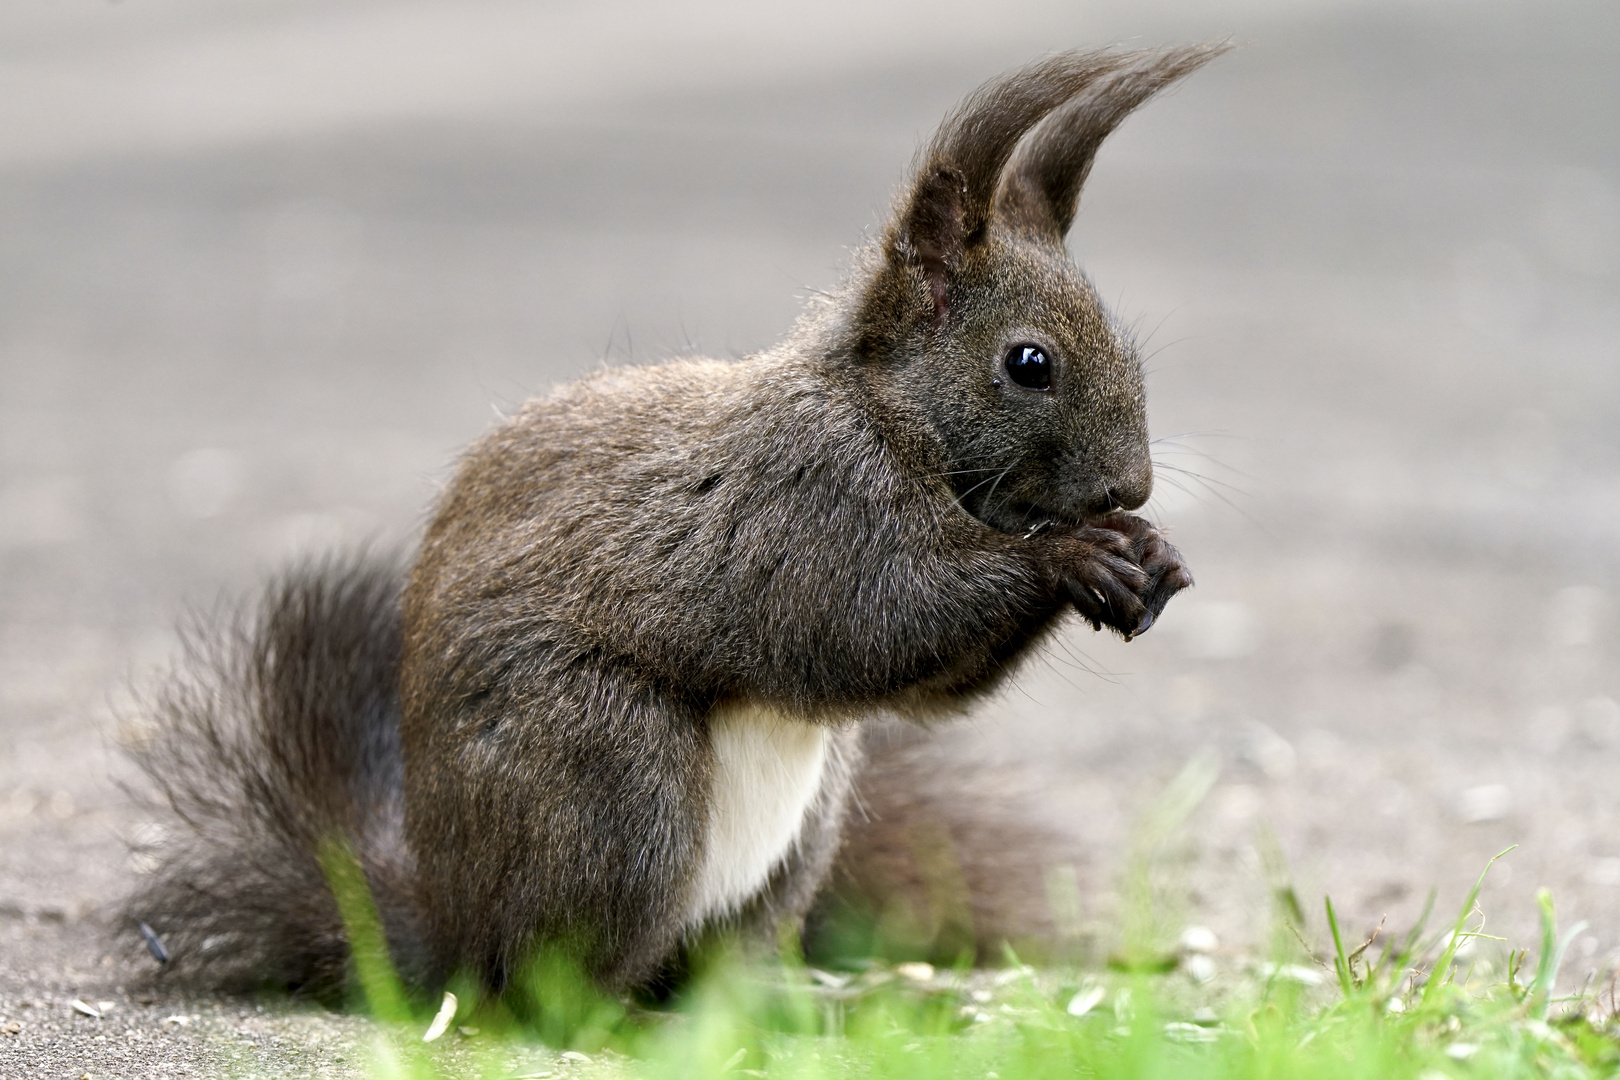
{"x":1031,"y":519}
{"x":1028,"y":519}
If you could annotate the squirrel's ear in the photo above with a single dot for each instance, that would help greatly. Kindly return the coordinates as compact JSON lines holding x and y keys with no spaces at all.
{"x":1040,"y":187}
{"x":944,"y":209}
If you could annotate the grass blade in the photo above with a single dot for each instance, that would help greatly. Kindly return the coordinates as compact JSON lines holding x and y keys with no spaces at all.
{"x":379,"y":983}
{"x":1443,"y":964}
{"x":1552,"y":955}
{"x":1340,"y":963}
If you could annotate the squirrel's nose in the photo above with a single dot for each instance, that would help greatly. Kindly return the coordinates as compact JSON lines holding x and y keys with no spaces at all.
{"x":1129,"y":489}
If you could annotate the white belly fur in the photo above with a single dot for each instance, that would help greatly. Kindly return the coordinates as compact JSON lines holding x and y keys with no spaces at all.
{"x":768,"y":770}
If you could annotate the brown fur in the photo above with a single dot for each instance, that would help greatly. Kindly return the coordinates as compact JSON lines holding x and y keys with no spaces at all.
{"x":869,"y":518}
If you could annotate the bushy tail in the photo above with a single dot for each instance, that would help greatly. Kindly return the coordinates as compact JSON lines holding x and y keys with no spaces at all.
{"x":941,"y":860}
{"x":277,"y":733}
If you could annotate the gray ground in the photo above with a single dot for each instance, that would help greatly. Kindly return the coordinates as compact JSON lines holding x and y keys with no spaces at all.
{"x":265,"y":268}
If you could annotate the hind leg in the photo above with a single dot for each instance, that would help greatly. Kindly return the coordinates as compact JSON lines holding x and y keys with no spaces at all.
{"x":563,"y":810}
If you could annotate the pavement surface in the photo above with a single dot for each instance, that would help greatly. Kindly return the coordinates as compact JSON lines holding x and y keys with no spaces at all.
{"x":264,"y":268}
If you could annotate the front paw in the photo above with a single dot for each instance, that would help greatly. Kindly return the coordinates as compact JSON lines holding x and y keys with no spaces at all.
{"x":1125,"y":574}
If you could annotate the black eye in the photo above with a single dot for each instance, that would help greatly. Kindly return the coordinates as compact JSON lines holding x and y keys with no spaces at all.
{"x":1027,"y":365}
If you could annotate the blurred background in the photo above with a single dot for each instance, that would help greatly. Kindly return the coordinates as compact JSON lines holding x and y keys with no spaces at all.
{"x":266,"y":266}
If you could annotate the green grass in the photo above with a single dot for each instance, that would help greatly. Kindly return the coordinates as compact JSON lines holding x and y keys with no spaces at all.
{"x":1398,"y":1006}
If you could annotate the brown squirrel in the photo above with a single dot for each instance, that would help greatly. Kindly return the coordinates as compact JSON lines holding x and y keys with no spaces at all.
{"x":617,"y":699}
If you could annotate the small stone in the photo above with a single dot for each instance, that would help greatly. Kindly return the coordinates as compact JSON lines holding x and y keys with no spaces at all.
{"x":1269,"y":752}
{"x":1293,"y":973}
{"x":1199,"y":968}
{"x":915,"y":970}
{"x":1086,"y":1000}
{"x":1012,"y":975}
{"x":178,"y":1021}
{"x":575,"y":1057}
{"x":84,"y":1008}
{"x":10,"y":1027}
{"x":1603,"y":872}
{"x":1199,"y":939}
{"x":1484,"y":803}
{"x":468,"y":1030}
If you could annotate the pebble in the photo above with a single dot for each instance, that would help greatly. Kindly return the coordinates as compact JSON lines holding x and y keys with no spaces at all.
{"x":1269,"y":752}
{"x":1086,"y":1000}
{"x":1199,"y":939}
{"x":1603,"y":872}
{"x":1293,"y":973}
{"x":1484,"y":803}
{"x":1200,"y":968}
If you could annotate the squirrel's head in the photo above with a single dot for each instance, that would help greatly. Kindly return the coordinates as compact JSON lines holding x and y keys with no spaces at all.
{"x":977,"y":326}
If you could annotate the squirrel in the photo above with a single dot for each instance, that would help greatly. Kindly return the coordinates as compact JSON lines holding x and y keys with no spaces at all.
{"x":616,"y":700}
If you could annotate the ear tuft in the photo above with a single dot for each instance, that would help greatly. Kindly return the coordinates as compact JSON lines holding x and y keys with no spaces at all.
{"x":964,"y":175}
{"x":947,"y":204}
{"x":1040,"y":187}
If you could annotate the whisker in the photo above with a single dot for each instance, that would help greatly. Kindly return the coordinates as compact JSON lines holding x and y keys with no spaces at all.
{"x":1207,"y":433}
{"x":981,"y":484}
{"x":1183,"y":449}
{"x":997,"y":484}
{"x":1085,"y":663}
{"x":1208,"y":481}
{"x":1207,"y":486}
{"x":959,"y":472}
